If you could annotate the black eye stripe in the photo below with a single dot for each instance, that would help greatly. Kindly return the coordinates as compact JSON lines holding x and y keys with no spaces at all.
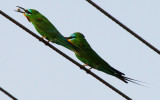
{"x":70,"y":37}
{"x":28,"y":12}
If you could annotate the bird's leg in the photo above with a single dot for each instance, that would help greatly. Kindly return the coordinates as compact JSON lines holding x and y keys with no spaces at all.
{"x":90,"y":68}
{"x":48,"y":41}
{"x":85,"y":65}
{"x":44,"y":37}
{"x":51,"y":41}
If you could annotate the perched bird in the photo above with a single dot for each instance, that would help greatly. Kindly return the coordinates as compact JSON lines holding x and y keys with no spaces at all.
{"x":88,"y":56}
{"x":46,"y":28}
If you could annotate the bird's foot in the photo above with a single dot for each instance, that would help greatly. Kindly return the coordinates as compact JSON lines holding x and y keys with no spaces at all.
{"x":52,"y":41}
{"x":90,"y":68}
{"x":44,"y":37}
{"x":88,"y":71}
{"x":48,"y":41}
{"x":85,"y":65}
{"x":41,"y":39}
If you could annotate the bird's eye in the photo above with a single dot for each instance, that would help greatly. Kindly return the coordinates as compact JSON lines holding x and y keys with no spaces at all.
{"x":28,"y":12}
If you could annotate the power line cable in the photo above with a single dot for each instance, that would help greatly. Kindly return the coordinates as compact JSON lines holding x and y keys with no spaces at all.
{"x":8,"y":94}
{"x":123,"y":26}
{"x":66,"y":56}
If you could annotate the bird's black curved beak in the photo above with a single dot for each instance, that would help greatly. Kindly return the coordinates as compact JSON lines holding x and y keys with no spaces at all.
{"x":22,"y":10}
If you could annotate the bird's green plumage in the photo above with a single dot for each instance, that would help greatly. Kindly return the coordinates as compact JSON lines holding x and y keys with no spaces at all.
{"x":87,"y":55}
{"x":47,"y":29}
{"x":76,"y":42}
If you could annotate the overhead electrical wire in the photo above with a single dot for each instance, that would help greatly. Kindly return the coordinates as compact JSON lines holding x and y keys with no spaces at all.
{"x":8,"y":94}
{"x":123,"y":26}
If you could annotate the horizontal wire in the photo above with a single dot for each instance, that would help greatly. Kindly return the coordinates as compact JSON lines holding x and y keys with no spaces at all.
{"x":66,"y":56}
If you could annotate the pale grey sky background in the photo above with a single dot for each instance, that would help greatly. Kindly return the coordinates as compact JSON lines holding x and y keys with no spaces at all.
{"x":32,"y":71}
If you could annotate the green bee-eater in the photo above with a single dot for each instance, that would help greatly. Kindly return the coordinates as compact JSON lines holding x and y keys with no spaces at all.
{"x":88,"y":56}
{"x":46,"y":28}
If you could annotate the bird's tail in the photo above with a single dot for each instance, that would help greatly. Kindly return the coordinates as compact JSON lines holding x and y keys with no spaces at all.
{"x":110,"y":70}
{"x":127,"y":79}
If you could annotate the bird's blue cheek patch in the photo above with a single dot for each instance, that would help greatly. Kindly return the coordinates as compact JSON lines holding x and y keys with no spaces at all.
{"x":73,"y":35}
{"x":72,"y":39}
{"x":26,"y":14}
{"x":30,"y":10}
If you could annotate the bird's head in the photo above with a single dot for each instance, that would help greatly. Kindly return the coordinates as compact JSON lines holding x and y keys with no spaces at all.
{"x":28,"y":13}
{"x":77,"y":36}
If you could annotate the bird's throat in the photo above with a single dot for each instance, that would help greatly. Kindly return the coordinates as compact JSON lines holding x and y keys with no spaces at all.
{"x":69,"y":41}
{"x":26,"y":17}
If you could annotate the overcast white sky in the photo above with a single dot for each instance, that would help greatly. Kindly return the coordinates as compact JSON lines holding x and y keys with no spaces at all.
{"x":29,"y":70}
